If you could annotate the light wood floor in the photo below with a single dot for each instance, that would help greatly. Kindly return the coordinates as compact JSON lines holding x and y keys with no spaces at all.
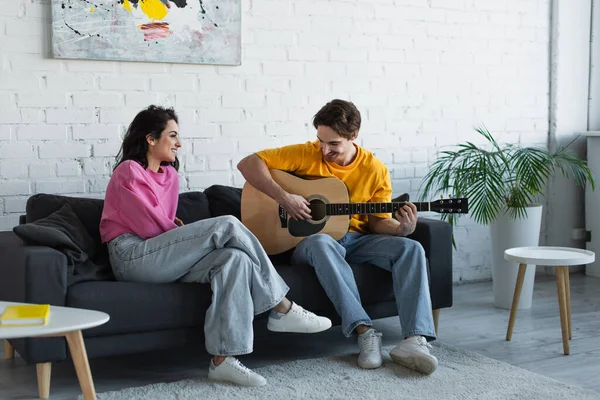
{"x":472,"y":324}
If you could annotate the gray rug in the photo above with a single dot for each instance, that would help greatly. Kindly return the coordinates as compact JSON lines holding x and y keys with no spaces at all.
{"x":460,"y":375}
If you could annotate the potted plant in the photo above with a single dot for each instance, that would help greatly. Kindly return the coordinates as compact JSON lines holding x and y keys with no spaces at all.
{"x":502,"y":184}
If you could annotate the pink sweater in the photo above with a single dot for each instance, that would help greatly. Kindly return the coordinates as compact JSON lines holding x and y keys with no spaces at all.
{"x":139,"y":201}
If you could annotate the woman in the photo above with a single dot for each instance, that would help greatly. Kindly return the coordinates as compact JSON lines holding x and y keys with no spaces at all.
{"x":148,"y":243}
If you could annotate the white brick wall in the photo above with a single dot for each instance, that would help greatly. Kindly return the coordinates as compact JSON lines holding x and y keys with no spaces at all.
{"x":422,"y":72}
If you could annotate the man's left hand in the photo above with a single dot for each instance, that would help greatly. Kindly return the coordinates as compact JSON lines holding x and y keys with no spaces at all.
{"x":407,"y":216}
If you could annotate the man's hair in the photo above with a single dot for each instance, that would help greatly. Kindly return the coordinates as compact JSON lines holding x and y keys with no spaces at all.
{"x":341,"y":116}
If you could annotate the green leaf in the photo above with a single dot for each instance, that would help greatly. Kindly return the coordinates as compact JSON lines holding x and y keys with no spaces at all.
{"x":504,"y":179}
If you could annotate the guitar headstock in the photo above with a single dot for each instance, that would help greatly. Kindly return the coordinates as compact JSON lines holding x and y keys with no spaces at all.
{"x":459,"y":205}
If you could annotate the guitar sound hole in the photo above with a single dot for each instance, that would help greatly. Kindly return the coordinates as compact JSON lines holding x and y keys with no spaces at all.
{"x":317,"y":209}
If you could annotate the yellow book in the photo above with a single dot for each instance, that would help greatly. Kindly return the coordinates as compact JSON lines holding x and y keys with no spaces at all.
{"x":25,"y":315}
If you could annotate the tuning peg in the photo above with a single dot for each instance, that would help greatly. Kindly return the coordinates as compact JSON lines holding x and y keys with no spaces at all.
{"x":441,"y":196}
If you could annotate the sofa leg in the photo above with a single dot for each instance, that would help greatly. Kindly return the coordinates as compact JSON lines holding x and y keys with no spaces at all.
{"x":9,"y":351}
{"x":43,"y":378}
{"x":436,"y":318}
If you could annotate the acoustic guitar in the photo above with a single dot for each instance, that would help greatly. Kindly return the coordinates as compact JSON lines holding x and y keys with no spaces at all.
{"x":330,"y":210}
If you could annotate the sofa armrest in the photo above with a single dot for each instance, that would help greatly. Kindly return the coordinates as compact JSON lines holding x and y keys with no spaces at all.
{"x":33,"y":274}
{"x":436,"y":238}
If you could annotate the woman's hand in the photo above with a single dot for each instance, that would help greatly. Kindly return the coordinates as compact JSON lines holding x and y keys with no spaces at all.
{"x":178,"y":222}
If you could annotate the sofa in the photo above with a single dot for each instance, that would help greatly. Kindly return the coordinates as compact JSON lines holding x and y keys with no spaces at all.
{"x":147,"y":317}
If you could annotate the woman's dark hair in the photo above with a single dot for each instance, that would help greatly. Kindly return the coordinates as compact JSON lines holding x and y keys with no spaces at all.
{"x":150,"y":121}
{"x":341,"y":116}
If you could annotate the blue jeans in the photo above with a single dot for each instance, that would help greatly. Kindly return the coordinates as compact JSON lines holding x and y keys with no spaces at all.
{"x":403,"y":257}
{"x":217,"y":250}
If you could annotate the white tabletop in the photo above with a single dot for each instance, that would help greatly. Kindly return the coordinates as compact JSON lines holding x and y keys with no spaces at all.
{"x":547,"y":255}
{"x":60,"y":320}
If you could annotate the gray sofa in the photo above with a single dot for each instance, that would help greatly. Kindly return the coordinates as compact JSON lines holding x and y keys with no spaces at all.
{"x":145,"y":317}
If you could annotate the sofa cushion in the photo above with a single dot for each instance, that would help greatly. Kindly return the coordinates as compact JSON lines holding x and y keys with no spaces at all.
{"x":224,"y":200}
{"x":374,"y":285}
{"x":192,"y":207}
{"x":88,"y":210}
{"x":142,"y":307}
{"x":154,"y":307}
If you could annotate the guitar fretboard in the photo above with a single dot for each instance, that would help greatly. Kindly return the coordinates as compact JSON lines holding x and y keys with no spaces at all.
{"x":369,"y":208}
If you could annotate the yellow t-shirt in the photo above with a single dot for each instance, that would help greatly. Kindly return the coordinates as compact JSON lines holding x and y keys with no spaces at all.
{"x":366,"y":178}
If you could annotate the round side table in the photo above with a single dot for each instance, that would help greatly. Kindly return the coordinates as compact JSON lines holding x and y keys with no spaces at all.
{"x":559,"y":257}
{"x":63,"y":321}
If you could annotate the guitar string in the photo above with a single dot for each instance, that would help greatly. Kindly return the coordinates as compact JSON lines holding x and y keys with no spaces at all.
{"x":355,"y":204}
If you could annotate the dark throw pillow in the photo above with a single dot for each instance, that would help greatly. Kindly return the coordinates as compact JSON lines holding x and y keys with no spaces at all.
{"x":192,"y":207}
{"x":63,"y":231}
{"x":224,"y":200}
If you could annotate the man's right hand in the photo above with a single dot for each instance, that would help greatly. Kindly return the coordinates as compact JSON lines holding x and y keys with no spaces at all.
{"x":296,"y":206}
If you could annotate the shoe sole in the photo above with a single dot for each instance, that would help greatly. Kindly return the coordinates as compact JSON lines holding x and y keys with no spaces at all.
{"x":233,"y":382}
{"x":421,"y":365}
{"x":370,"y":366}
{"x":275,"y":328}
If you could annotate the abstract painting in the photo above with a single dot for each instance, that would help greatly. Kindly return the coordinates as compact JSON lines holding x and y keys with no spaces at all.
{"x":174,"y":31}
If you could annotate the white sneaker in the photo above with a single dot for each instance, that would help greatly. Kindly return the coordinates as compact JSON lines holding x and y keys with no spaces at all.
{"x":414,"y":353}
{"x":232,"y":370}
{"x":370,"y":349}
{"x":297,"y":320}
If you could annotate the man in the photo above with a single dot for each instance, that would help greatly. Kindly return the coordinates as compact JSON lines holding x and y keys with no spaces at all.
{"x":378,"y":239}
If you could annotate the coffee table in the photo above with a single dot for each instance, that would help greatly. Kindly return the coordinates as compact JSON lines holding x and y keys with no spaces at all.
{"x":63,"y":321}
{"x":559,"y":257}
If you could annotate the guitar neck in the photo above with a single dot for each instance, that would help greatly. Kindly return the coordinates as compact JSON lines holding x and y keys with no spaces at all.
{"x":370,"y":208}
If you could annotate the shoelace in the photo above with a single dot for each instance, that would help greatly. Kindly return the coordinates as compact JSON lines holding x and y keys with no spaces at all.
{"x":423,"y":342}
{"x":241,"y":367}
{"x":304,"y":312}
{"x":370,"y":343}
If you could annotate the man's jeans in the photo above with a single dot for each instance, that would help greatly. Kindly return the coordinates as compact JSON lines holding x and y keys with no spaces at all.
{"x":404,"y":257}
{"x":219,"y":250}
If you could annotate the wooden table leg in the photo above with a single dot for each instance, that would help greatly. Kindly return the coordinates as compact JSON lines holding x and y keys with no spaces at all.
{"x":568,"y":298}
{"x":562,"y":307}
{"x":9,"y":351}
{"x":515,"y":302}
{"x":82,"y":367}
{"x":44,"y":371}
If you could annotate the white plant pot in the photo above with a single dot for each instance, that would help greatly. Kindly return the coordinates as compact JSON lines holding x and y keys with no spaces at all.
{"x":507,"y":233}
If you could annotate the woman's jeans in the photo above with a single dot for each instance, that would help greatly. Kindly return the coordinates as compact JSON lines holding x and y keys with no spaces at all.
{"x":219,"y":250}
{"x":403,"y":257}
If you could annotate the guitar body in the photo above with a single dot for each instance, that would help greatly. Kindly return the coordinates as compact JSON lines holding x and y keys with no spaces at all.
{"x":275,"y":230}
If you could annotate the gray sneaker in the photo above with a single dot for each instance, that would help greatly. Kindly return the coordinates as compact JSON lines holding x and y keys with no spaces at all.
{"x":370,"y":349}
{"x":414,"y":353}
